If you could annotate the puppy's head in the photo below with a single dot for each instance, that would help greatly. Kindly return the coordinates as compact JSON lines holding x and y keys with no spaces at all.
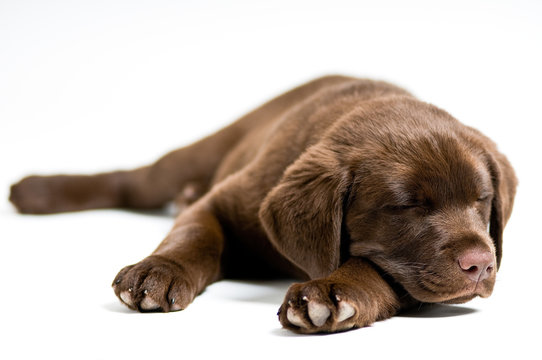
{"x":405,"y":186}
{"x":421,"y":211}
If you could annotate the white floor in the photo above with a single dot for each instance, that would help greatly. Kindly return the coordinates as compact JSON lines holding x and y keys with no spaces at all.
{"x":87,"y":86}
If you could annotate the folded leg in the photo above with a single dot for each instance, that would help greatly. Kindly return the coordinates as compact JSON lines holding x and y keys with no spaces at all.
{"x":355,"y":295}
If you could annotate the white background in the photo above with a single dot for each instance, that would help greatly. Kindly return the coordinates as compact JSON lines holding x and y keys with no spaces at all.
{"x":87,"y":86}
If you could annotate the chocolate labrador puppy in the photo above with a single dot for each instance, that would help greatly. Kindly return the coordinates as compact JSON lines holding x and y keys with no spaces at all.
{"x":377,"y":200}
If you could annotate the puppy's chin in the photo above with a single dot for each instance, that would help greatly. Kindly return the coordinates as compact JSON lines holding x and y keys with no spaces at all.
{"x":460,"y":296}
{"x":459,"y":300}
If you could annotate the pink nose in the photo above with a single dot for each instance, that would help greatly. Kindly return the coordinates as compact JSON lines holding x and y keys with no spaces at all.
{"x":477,"y":264}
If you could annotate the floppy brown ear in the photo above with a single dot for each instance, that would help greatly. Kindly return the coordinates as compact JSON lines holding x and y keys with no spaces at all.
{"x":504,"y":185}
{"x":303,"y":213}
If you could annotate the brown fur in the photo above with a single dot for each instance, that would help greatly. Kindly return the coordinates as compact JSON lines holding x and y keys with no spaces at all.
{"x":352,"y":184}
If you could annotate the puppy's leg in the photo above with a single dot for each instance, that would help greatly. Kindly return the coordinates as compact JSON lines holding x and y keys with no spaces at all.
{"x":61,"y":193}
{"x":353,"y":296}
{"x":148,"y":187}
{"x":179,"y":269}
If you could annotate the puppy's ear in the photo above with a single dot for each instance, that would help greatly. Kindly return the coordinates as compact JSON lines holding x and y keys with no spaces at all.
{"x":504,"y":187}
{"x":303,"y":213}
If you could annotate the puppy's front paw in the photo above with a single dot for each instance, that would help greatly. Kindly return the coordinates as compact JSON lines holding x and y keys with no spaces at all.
{"x":320,"y":306}
{"x":154,"y":284}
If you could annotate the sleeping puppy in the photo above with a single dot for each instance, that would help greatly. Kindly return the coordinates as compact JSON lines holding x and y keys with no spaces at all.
{"x":377,"y":200}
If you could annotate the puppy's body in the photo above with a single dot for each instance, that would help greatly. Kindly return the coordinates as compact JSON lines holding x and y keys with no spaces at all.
{"x":380,"y":199}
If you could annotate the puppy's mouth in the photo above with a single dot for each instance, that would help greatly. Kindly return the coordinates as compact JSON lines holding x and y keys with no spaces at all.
{"x":447,"y":285}
{"x":454,"y":291}
{"x":429,"y":284}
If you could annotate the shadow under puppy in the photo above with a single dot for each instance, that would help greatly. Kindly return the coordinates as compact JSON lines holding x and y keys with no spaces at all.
{"x":378,"y":200}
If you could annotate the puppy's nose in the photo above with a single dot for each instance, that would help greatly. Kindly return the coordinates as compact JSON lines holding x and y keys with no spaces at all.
{"x":477,"y":264}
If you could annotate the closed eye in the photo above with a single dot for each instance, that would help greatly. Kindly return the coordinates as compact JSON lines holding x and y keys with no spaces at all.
{"x":405,"y":207}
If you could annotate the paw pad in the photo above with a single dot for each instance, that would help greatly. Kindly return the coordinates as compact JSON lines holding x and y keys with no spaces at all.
{"x":318,"y":313}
